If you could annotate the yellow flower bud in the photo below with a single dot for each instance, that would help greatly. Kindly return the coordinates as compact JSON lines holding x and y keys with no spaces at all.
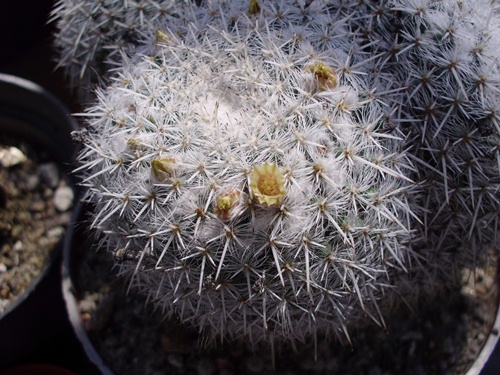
{"x":254,"y":7}
{"x":225,"y":202}
{"x":163,"y":168}
{"x":324,"y":75}
{"x":135,"y":144}
{"x":267,"y":184}
{"x":162,"y":36}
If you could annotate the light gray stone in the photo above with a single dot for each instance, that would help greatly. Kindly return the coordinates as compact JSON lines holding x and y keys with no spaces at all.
{"x":63,"y":198}
{"x":10,"y":156}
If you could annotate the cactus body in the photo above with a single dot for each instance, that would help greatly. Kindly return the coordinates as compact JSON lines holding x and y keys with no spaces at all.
{"x":245,"y":169}
{"x":442,"y":61}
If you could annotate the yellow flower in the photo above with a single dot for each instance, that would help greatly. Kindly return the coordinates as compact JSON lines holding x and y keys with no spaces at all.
{"x":324,"y":75}
{"x":267,"y":184}
{"x":163,"y":168}
{"x":225,"y":202}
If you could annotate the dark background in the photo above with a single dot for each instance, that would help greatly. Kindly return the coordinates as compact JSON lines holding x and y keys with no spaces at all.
{"x":38,"y":330}
{"x":26,"y":46}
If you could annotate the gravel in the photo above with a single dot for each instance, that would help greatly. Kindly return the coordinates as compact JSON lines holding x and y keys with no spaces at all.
{"x":35,"y":205}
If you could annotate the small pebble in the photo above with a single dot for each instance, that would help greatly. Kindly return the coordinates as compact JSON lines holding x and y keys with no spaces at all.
{"x":63,"y":198}
{"x":37,"y":205}
{"x":31,"y":182}
{"x":481,"y":290}
{"x":48,"y":193}
{"x":49,"y":173}
{"x":18,"y":246}
{"x":55,"y":233}
{"x":43,"y":242}
{"x":16,"y":231}
{"x":11,"y":156}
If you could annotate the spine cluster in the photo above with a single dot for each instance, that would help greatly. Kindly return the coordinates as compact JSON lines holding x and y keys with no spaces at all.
{"x":270,"y":170}
{"x":91,"y":35}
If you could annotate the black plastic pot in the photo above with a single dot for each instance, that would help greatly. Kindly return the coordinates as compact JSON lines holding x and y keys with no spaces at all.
{"x":33,"y":323}
{"x":30,"y":112}
{"x":37,"y":369}
{"x":77,"y":241}
{"x":488,"y":361}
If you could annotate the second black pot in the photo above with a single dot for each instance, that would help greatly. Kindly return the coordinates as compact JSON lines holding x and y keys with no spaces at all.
{"x":35,"y":324}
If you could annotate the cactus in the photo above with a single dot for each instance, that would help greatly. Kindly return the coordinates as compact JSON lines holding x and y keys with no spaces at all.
{"x":245,"y":178}
{"x":252,"y":163}
{"x":444,"y":55}
{"x":91,"y":35}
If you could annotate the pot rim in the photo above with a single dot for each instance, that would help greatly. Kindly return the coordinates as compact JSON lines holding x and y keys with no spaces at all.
{"x":68,"y":291}
{"x":488,"y":350}
{"x":42,"y":119}
{"x":30,"y":112}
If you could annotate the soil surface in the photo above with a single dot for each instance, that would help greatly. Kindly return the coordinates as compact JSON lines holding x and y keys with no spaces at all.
{"x":35,"y":207}
{"x":443,"y":337}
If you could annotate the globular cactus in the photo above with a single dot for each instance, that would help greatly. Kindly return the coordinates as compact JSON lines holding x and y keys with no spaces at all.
{"x":91,"y":35}
{"x":245,"y":178}
{"x":438,"y":68}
